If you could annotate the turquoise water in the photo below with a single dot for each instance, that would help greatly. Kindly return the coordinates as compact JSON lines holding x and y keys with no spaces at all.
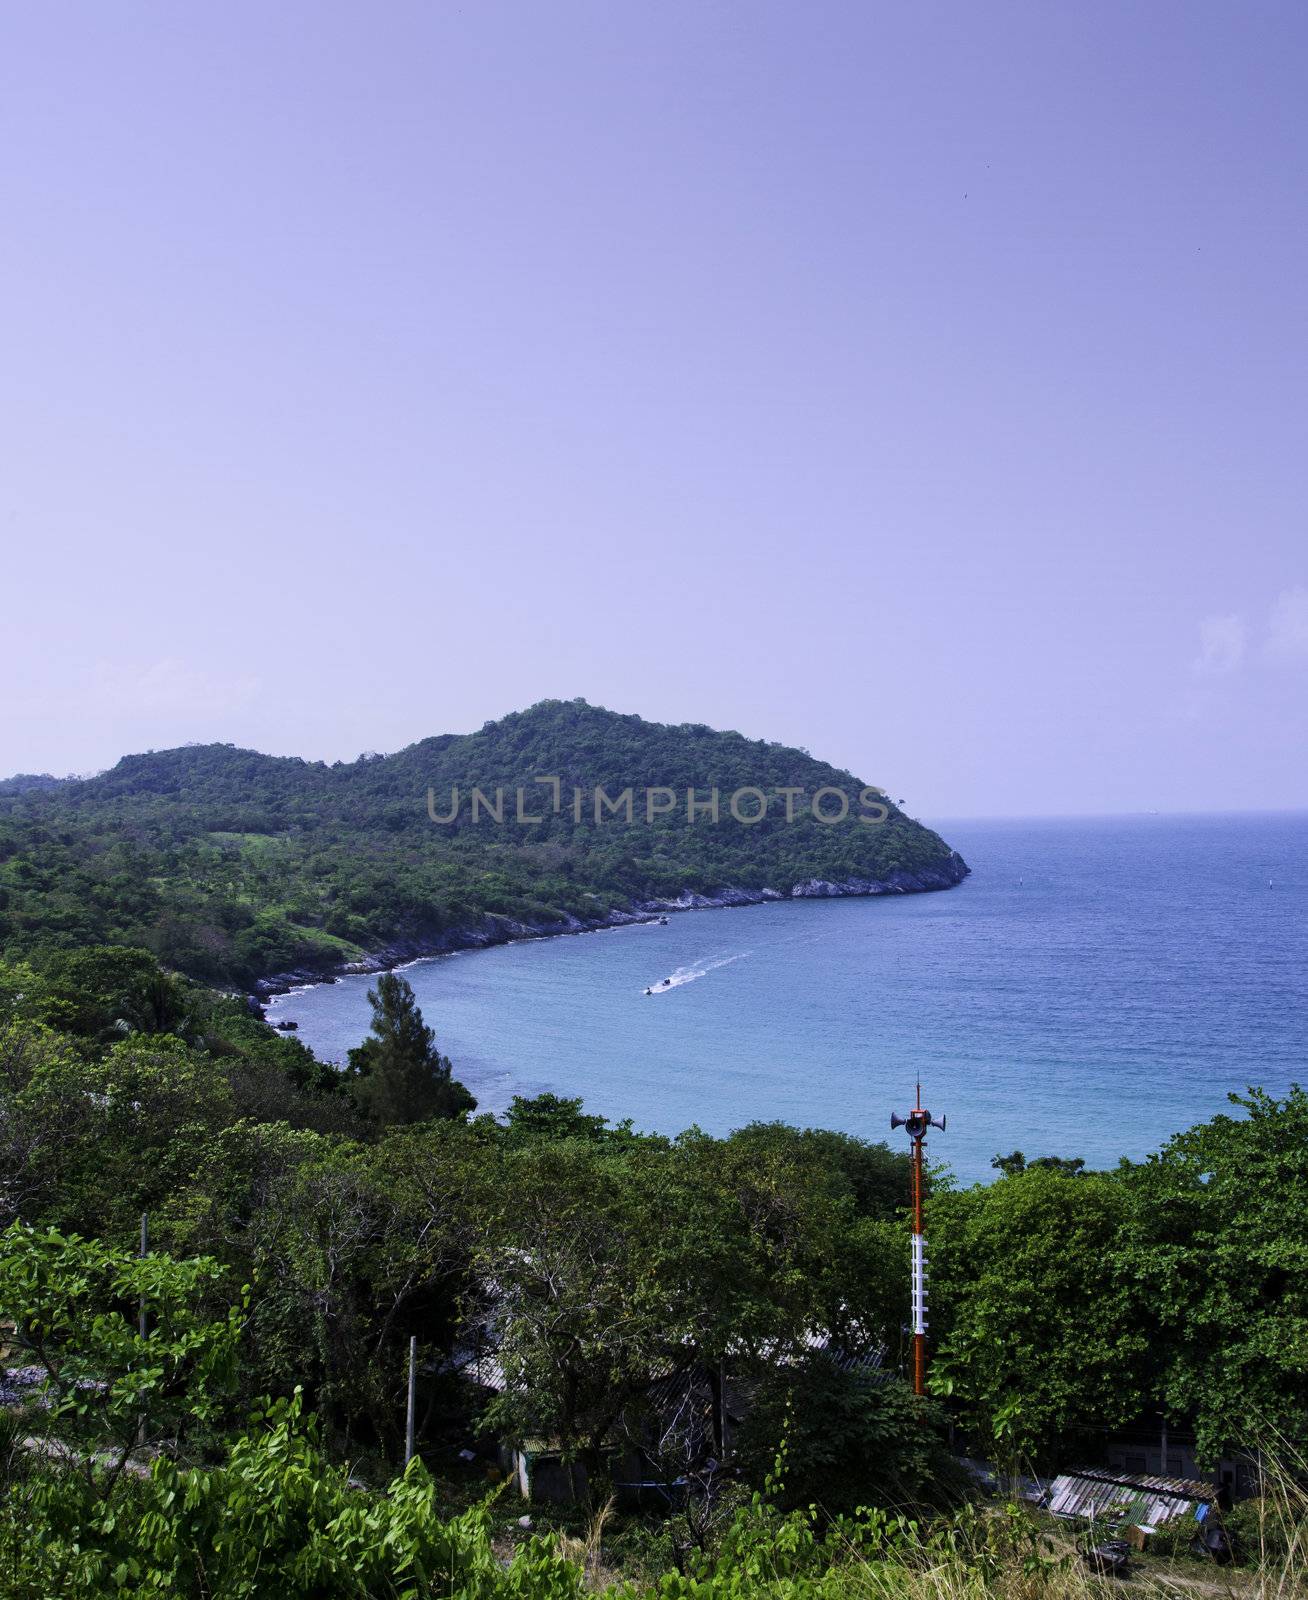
{"x":1092,"y":987}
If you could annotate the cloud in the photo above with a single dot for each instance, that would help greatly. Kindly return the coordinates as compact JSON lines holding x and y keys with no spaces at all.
{"x":1221,"y":646}
{"x":1287,"y":626}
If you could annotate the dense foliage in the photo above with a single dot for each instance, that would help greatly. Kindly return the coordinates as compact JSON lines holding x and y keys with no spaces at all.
{"x":276,"y":1519}
{"x":1068,"y":1303}
{"x":681,"y":1309}
{"x":593,"y":1256}
{"x":230,"y":865}
{"x":600,"y":1255}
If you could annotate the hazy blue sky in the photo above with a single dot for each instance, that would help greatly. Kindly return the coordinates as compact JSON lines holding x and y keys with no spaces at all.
{"x":921,"y":384}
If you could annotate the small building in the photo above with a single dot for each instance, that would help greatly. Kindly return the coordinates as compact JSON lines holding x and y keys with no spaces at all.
{"x":683,"y":1429}
{"x":1102,"y":1494}
{"x":1149,"y":1449}
{"x":540,"y":1472}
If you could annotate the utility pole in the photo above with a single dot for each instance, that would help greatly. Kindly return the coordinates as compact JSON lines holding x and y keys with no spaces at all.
{"x":916,"y":1124}
{"x":413,"y":1395}
{"x":145,"y":1251}
{"x":142,"y":1326}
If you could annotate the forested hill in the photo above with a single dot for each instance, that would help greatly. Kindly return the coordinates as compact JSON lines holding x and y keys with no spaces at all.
{"x":230,"y":864}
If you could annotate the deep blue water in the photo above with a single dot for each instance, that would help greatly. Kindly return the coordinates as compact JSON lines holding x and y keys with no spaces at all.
{"x":1094,"y":986}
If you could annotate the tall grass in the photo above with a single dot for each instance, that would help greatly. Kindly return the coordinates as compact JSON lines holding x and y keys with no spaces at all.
{"x":1270,"y":1532}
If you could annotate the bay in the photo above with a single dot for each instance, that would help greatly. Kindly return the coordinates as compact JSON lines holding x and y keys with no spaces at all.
{"x":1094,"y":986}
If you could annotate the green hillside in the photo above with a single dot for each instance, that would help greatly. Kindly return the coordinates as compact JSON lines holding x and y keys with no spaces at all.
{"x":230,"y":865}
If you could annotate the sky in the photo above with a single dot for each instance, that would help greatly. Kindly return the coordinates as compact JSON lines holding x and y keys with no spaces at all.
{"x":922,"y":385}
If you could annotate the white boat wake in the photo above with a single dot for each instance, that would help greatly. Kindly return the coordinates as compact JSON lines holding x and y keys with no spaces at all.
{"x":698,"y":969}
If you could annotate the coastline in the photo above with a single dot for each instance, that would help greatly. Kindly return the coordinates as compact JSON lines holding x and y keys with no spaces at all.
{"x":495,"y":929}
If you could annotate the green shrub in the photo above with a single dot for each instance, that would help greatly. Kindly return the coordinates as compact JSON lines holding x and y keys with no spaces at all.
{"x":1270,"y":1531}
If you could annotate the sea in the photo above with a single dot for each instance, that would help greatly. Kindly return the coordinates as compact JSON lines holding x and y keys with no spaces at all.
{"x":1095,"y":986}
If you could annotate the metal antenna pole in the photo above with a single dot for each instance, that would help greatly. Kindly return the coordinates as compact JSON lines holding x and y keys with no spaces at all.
{"x":919,"y":1273}
{"x":916,"y":1124}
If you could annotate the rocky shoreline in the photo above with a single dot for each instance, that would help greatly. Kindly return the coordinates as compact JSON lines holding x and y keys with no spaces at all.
{"x":492,"y":929}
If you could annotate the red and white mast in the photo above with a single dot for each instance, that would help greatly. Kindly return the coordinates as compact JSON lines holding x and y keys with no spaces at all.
{"x":916,"y":1124}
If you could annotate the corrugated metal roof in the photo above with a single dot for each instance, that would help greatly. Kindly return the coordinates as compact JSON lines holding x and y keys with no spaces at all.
{"x":815,"y":1341}
{"x":481,"y":1366}
{"x":477,"y":1358}
{"x":1126,"y":1497}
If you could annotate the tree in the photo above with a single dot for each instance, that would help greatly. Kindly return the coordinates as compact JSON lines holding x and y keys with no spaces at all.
{"x":551,"y":1116}
{"x":807,"y":1242}
{"x":43,"y":1118}
{"x":875,"y":1177}
{"x":103,"y":1388}
{"x":1220,"y":1240}
{"x":574,"y":1276}
{"x":850,"y":1438}
{"x":612,"y":1263}
{"x":90,"y":1144}
{"x":109,"y":990}
{"x":1011,"y":1165}
{"x":399,"y":1074}
{"x":370,"y":1248}
{"x":1043,"y":1324}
